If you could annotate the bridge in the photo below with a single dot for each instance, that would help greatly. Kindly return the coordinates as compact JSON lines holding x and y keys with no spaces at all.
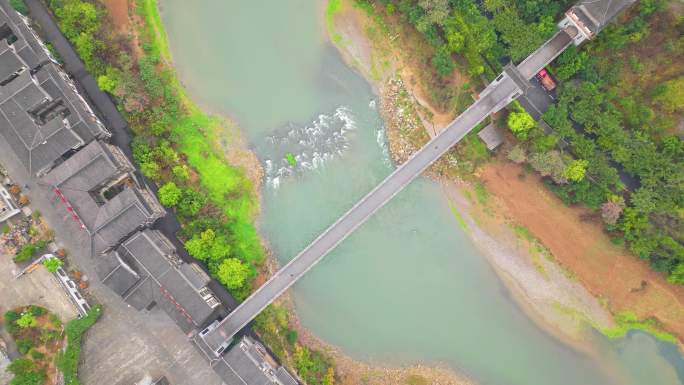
{"x":582,"y":22}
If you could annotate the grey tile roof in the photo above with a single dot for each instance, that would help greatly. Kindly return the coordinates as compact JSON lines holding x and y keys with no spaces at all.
{"x":116,"y":273}
{"x":30,"y":121}
{"x":145,"y":269}
{"x":42,"y":115}
{"x":601,"y":12}
{"x":248,"y":363}
{"x":30,"y":48}
{"x":82,"y":119}
{"x":88,"y":178}
{"x":491,"y":136}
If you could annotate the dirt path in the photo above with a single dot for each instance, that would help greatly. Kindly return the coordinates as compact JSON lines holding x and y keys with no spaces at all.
{"x":117,"y":10}
{"x":607,"y":271}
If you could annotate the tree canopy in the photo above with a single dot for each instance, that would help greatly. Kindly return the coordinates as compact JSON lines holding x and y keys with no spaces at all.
{"x":520,"y":124}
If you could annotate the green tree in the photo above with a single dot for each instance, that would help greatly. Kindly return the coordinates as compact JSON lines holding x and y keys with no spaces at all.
{"x":20,"y":366}
{"x":181,"y":172}
{"x":52,"y":264}
{"x":24,"y":345}
{"x":442,"y":61}
{"x":436,"y":12}
{"x":520,"y":38}
{"x":570,"y":62}
{"x":677,"y":275}
{"x":107,"y":83}
{"x":520,"y":123}
{"x":169,"y":194}
{"x":27,"y":320}
{"x":549,"y":164}
{"x":455,"y":40}
{"x":576,"y":170}
{"x":191,"y":202}
{"x":78,"y":17}
{"x":19,"y":6}
{"x":198,"y":245}
{"x":671,"y":95}
{"x":150,"y":169}
{"x":233,"y":273}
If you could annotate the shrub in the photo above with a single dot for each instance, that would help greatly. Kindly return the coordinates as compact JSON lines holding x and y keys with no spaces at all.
{"x":549,"y":164}
{"x":169,"y":194}
{"x":19,"y":6}
{"x":27,"y":320}
{"x":517,"y":154}
{"x":28,"y":251}
{"x":181,"y":172}
{"x":67,"y":361}
{"x":107,"y":83}
{"x":52,"y":264}
{"x":36,"y":311}
{"x":36,"y":355}
{"x":671,"y":95}
{"x":55,"y":320}
{"x":24,"y":345}
{"x":442,"y":61}
{"x":576,"y":170}
{"x":191,"y":202}
{"x":291,"y":336}
{"x":520,"y":124}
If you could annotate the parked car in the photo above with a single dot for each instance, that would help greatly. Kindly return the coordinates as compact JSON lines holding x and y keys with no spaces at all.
{"x":546,"y":80}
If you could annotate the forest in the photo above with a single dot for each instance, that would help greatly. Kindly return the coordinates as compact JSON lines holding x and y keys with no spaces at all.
{"x":615,"y":137}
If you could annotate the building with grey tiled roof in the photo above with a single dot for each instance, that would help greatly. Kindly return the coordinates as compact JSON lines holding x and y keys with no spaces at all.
{"x":97,"y":186}
{"x":248,"y":363}
{"x":42,"y":116}
{"x":146,"y":272}
{"x":591,"y":16}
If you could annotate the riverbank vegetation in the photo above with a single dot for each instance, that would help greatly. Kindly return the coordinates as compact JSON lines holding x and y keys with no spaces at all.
{"x":176,"y":145}
{"x":174,"y":142}
{"x":613,"y":144}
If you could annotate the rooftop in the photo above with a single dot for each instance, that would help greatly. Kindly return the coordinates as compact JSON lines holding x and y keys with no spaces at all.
{"x":7,"y":206}
{"x":146,"y":271}
{"x":42,"y":116}
{"x":491,"y":136}
{"x":596,"y":14}
{"x":97,"y":185}
{"x":248,"y":363}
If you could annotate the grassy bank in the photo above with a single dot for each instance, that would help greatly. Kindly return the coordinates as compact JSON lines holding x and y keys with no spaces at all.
{"x":624,"y":322}
{"x":627,"y":321}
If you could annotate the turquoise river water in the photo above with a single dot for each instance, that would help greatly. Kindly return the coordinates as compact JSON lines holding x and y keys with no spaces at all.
{"x":408,"y":287}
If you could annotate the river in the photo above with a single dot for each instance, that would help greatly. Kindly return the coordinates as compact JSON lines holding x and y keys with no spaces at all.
{"x":409,"y":286}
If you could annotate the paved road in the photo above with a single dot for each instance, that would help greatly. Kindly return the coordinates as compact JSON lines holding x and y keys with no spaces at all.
{"x":498,"y":94}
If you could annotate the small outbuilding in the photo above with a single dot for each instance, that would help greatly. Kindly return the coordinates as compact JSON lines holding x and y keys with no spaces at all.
{"x":491,"y":136}
{"x":8,"y":208}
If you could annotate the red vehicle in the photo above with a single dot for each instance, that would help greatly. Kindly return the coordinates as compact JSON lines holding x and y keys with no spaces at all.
{"x":546,"y":80}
